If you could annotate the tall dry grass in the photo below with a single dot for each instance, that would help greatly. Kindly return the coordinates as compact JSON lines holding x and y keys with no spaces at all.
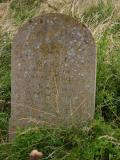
{"x":75,"y":8}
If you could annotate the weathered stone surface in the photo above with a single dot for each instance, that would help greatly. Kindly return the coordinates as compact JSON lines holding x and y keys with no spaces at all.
{"x":53,"y":73}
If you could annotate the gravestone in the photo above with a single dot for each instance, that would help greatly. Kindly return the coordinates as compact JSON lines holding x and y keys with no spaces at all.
{"x":53,"y":73}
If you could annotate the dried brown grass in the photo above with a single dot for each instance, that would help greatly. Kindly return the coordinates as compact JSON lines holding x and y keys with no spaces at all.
{"x":74,"y":8}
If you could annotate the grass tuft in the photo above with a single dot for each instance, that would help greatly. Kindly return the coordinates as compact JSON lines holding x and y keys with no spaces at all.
{"x":95,"y":141}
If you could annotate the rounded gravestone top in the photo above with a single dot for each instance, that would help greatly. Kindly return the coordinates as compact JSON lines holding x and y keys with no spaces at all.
{"x":53,"y":72}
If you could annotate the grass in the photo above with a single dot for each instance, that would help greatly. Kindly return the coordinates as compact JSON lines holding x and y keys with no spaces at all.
{"x":3,"y":126}
{"x":108,"y":74}
{"x":23,"y":10}
{"x":100,"y":140}
{"x":5,"y":55}
{"x":95,"y":141}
